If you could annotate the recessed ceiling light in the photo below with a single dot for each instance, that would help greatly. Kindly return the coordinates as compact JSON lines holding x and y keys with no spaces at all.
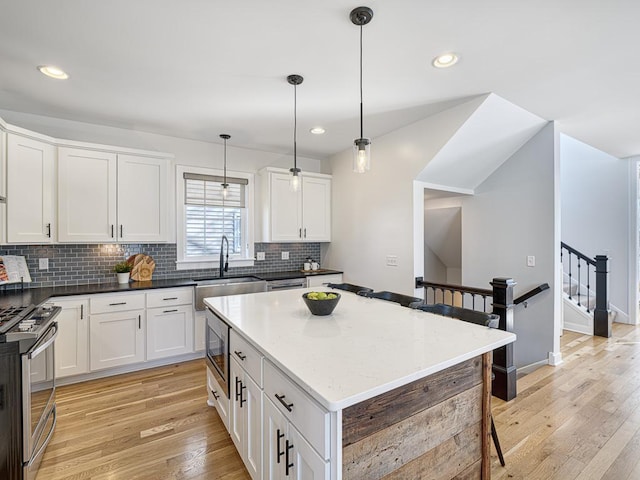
{"x":445,"y":60}
{"x":317,"y":130}
{"x":53,"y":72}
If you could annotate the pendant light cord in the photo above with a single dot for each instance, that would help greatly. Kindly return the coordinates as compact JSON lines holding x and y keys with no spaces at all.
{"x":295,"y":124}
{"x":361,"y":110}
{"x":225,"y":161}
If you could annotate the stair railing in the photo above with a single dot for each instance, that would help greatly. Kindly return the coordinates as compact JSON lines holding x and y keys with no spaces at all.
{"x":597,"y":271}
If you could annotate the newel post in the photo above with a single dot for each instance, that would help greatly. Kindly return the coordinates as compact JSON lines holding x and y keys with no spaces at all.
{"x":601,"y":322}
{"x":504,"y":371}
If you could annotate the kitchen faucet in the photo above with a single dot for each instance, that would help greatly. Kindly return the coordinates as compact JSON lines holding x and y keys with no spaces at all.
{"x":224,"y":267}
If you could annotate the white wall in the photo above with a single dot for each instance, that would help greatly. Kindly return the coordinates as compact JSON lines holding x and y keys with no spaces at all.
{"x":513,"y":215}
{"x":434,"y":270}
{"x":373,"y":213}
{"x":596,"y":206}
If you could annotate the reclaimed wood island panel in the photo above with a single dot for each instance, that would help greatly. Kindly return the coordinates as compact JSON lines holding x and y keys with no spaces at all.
{"x":407,"y":392}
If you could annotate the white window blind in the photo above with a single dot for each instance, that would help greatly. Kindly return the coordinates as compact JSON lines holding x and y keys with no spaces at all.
{"x":209,"y":216}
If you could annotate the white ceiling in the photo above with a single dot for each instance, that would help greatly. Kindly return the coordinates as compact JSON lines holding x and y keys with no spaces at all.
{"x":198,"y":68}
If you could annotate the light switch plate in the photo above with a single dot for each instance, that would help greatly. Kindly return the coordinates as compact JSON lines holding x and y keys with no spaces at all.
{"x":260,"y":256}
{"x":531,"y":261}
{"x":285,"y":255}
{"x":392,"y":260}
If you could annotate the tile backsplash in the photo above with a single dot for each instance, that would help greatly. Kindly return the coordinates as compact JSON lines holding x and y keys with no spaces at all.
{"x":88,"y":263}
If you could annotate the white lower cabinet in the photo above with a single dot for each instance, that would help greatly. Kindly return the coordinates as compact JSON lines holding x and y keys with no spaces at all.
{"x":169,"y":331}
{"x":245,"y":422}
{"x":72,"y":344}
{"x":286,"y":454}
{"x":117,"y":339}
{"x":320,"y":280}
{"x":218,"y":398}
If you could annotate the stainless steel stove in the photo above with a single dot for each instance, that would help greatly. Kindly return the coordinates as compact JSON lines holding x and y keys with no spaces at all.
{"x":27,"y":387}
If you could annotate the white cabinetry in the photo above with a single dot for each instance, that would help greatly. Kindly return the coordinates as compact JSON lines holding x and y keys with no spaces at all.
{"x":245,"y":422}
{"x":72,"y":344}
{"x":107,"y":197}
{"x":218,"y":398}
{"x":117,"y":330}
{"x":320,"y":280}
{"x":302,"y":216}
{"x":30,"y":190}
{"x":199,"y":331}
{"x":287,"y":455}
{"x":169,"y":322}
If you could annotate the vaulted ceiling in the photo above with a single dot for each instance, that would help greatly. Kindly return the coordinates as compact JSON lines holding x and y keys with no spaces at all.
{"x":198,"y":68}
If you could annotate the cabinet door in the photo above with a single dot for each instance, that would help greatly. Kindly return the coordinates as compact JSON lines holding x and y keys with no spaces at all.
{"x":285,"y":210}
{"x":236,"y":417}
{"x":252,"y":444}
{"x":169,"y":331}
{"x":117,"y":339}
{"x":86,"y":196}
{"x":218,"y":399}
{"x":142,"y":199}
{"x":72,"y":344}
{"x":30,"y":188}
{"x":274,"y":434}
{"x":316,"y":209}
{"x":307,"y":464}
{"x":319,"y":280}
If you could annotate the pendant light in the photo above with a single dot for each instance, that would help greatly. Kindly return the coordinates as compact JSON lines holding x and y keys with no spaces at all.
{"x":294,"y":184}
{"x":225,"y":185}
{"x":361,"y":16}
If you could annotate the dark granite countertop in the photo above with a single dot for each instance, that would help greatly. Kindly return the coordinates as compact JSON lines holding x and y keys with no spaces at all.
{"x":36,"y":296}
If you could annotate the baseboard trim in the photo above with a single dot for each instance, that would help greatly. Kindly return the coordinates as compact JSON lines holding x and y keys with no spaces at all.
{"x":532,"y":367}
{"x":555,"y":359}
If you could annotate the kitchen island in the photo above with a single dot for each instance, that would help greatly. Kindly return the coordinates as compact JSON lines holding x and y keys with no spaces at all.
{"x":404,"y":393}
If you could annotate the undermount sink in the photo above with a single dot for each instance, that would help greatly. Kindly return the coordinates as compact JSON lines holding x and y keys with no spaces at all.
{"x":218,"y":287}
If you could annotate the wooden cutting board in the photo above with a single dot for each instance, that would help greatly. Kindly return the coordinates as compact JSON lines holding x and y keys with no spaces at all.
{"x":142,"y":267}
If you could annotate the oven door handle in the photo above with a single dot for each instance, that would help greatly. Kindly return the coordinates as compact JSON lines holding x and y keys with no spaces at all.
{"x":49,"y":435}
{"x":38,"y":349}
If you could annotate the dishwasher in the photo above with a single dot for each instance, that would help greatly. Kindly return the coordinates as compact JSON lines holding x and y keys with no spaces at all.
{"x":286,"y":284}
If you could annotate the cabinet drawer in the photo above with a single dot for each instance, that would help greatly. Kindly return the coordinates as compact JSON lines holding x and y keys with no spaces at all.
{"x":116,"y":303}
{"x":167,"y":297}
{"x":311,"y":420}
{"x":247,"y":356}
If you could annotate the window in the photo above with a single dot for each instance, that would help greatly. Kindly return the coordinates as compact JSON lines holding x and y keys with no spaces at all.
{"x":205,"y":216}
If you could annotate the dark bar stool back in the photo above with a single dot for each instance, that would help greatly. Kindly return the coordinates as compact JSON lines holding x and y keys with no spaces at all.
{"x":349,"y":287}
{"x":404,"y":300}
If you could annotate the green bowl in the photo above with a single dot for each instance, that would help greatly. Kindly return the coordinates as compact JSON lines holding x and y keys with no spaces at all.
{"x":321,"y":307}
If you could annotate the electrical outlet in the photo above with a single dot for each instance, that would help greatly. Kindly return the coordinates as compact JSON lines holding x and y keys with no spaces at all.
{"x":260,"y":256}
{"x":531,"y":261}
{"x":43,"y":263}
{"x":392,"y":260}
{"x":285,"y":255}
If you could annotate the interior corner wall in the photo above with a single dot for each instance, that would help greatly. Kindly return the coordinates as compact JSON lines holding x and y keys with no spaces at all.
{"x":379,"y":213}
{"x":596,"y":202}
{"x":511,"y":216}
{"x":434,"y":269}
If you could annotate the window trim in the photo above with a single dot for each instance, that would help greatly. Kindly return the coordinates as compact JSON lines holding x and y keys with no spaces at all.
{"x":184,"y":264}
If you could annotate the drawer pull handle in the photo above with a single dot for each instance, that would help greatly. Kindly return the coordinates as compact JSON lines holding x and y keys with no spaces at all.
{"x":118,"y":303}
{"x":280,"y":452}
{"x":288,"y":406}
{"x":240,"y":355}
{"x":170,"y":298}
{"x":215,"y":395}
{"x":288,"y":465}
{"x":170,"y":311}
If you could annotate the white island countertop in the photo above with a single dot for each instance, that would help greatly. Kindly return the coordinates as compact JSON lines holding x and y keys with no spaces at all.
{"x":364,"y":348}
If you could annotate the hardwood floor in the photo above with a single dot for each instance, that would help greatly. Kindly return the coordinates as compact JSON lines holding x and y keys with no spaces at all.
{"x":153,"y":424}
{"x":580,"y":421}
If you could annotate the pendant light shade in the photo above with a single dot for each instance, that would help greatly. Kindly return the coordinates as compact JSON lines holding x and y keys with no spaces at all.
{"x":361,"y":16}
{"x":225,"y":185}
{"x":294,"y":184}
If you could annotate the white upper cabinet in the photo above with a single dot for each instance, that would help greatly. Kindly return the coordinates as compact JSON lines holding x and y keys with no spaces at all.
{"x":302,"y":216}
{"x":108,"y":197}
{"x":142,"y":199}
{"x":30,"y":190}
{"x":86,"y":196}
